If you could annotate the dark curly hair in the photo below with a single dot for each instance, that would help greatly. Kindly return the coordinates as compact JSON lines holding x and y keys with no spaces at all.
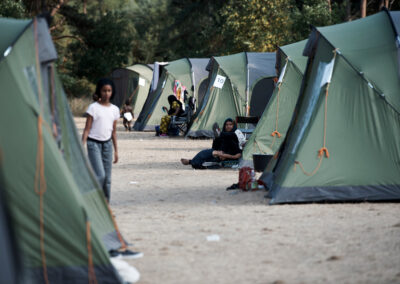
{"x":103,"y":82}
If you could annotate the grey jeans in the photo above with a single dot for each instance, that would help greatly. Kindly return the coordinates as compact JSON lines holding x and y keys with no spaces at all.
{"x":100,"y":156}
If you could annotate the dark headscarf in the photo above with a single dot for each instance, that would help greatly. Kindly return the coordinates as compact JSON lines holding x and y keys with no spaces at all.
{"x":227,"y":141}
{"x":171,"y":100}
{"x":229,"y":120}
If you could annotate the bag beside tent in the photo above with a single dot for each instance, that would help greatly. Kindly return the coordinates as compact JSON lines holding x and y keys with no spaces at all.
{"x":343,"y":144}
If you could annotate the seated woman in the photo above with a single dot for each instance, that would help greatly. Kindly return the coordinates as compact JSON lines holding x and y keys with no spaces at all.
{"x":175,"y":109}
{"x":225,"y":147}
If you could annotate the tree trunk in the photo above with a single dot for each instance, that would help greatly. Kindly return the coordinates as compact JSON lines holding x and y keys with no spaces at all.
{"x":384,"y":3}
{"x":348,"y":10}
{"x":57,"y":7}
{"x":329,"y":6}
{"x":363,"y":8}
{"x":84,"y":6}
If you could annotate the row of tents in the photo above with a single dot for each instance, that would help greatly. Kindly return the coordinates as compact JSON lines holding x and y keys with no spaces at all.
{"x":238,"y":85}
{"x":329,"y":109}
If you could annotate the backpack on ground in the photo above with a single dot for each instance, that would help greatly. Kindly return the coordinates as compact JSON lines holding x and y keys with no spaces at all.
{"x":245,"y":178}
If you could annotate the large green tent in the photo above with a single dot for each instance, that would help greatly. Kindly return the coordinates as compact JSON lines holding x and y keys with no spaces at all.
{"x":239,"y":85}
{"x":132,"y":83}
{"x":344,"y":142}
{"x":62,"y":222}
{"x":271,"y":129}
{"x":189,"y":71}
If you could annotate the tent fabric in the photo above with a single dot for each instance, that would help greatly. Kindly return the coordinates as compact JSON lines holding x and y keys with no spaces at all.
{"x":133,"y":83}
{"x":43,"y":173}
{"x":10,"y":269}
{"x":200,"y":75}
{"x":395,"y":20}
{"x":278,"y":112}
{"x":242,"y":72}
{"x":356,"y":123}
{"x":261,"y":65}
{"x":144,"y":74}
{"x":10,"y":32}
{"x":185,"y":70}
{"x":157,"y":70}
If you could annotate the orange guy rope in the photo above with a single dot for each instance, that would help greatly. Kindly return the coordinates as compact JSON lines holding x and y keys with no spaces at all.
{"x":92,"y":274}
{"x":276,"y":133}
{"x":323,"y":150}
{"x":40,"y":181}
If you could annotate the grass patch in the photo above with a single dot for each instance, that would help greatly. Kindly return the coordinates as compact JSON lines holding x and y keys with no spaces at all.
{"x":79,"y":105}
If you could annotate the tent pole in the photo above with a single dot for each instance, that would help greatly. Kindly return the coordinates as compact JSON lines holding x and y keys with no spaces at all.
{"x":247,"y":88}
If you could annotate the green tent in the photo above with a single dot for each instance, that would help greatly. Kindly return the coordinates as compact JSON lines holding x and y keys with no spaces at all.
{"x":132,"y":83}
{"x":62,"y":223}
{"x":189,"y":71}
{"x":240,"y":85}
{"x":344,"y":142}
{"x":271,"y":129}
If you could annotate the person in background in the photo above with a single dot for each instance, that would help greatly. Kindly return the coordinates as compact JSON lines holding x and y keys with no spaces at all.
{"x":127,"y":115}
{"x":175,"y":109}
{"x":226,"y":146}
{"x":100,"y":134}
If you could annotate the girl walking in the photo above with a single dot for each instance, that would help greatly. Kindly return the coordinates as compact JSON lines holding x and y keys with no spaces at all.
{"x":100,"y":134}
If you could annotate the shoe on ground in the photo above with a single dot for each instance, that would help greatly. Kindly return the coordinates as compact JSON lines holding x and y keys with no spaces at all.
{"x":114,"y":254}
{"x":128,"y":254}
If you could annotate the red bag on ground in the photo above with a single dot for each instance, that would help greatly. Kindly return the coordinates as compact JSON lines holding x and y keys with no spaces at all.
{"x":245,"y":178}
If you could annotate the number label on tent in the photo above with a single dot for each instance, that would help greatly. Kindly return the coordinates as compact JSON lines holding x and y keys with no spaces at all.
{"x":219,"y":81}
{"x":142,"y":82}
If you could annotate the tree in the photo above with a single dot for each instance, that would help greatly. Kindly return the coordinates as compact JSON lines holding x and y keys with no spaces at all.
{"x":258,"y":25}
{"x":196,"y":29}
{"x":102,"y":44}
{"x":316,"y":13}
{"x":12,"y":9}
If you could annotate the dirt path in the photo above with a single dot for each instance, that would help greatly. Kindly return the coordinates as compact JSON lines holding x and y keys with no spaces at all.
{"x":167,"y":210}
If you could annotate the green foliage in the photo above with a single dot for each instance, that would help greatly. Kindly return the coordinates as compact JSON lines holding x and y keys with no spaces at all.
{"x":150,"y":19}
{"x":12,"y":9}
{"x":196,"y":29}
{"x":76,"y":87}
{"x":258,"y":25}
{"x":101,"y":43}
{"x":316,"y":13}
{"x":261,"y":25}
{"x":92,"y":37}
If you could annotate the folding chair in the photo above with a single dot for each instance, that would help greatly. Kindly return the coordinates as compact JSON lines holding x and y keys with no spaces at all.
{"x":253,"y":120}
{"x":179,"y":124}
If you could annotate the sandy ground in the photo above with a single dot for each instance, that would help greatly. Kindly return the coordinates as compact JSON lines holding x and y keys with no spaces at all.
{"x":167,"y":210}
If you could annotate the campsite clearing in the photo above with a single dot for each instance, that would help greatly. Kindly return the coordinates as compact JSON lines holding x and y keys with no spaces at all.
{"x":168,"y":210}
